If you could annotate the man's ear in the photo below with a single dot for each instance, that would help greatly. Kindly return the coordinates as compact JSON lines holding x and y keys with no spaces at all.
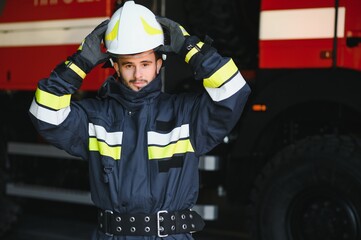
{"x":116,"y":67}
{"x":159,"y":64}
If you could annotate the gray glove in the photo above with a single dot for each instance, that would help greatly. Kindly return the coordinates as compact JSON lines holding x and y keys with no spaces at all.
{"x":88,"y":55}
{"x":182,"y":44}
{"x":180,"y":40}
{"x":178,"y":35}
{"x":90,"y":48}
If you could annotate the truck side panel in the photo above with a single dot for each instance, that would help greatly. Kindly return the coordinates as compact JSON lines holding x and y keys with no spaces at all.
{"x":302,"y":34}
{"x":38,"y":35}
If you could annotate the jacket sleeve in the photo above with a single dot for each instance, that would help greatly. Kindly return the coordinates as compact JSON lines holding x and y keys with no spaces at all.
{"x":217,"y":110}
{"x":58,"y":120}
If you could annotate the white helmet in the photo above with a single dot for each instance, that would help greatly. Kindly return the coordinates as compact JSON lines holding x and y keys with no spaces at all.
{"x":133,"y":28}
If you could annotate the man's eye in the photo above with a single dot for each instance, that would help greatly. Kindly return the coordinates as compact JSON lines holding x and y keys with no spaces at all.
{"x":128,"y":66}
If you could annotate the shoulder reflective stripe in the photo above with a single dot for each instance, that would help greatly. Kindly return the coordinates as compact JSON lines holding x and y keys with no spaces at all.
{"x":52,"y":101}
{"x":307,"y":23}
{"x":47,"y":115}
{"x":104,"y":149}
{"x":111,"y":138}
{"x":163,"y":139}
{"x":221,"y":75}
{"x":76,"y":69}
{"x":193,"y":51}
{"x":228,"y":89}
{"x":182,"y":146}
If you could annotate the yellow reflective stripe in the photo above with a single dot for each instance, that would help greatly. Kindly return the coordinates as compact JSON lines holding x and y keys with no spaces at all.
{"x":52,"y":101}
{"x":104,"y":149}
{"x":193,"y":51}
{"x":111,"y":138}
{"x":228,"y":89}
{"x":113,"y":33}
{"x":76,"y":69}
{"x":182,"y":146}
{"x":149,"y":29}
{"x":81,"y":45}
{"x":185,"y":33}
{"x":221,"y":75}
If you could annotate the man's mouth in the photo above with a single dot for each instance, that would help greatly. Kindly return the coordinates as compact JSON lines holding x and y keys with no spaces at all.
{"x":138,"y":83}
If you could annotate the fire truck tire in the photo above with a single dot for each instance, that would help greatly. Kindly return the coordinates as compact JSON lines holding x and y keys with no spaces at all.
{"x":311,"y":190}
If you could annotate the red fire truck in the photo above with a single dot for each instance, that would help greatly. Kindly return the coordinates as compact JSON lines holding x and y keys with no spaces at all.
{"x":294,"y":158}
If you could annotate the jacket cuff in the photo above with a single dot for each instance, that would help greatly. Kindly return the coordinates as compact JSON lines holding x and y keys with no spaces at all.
{"x":71,"y":73}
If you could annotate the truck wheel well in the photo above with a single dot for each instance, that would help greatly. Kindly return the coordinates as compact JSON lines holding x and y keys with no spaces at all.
{"x":319,"y":171}
{"x":294,"y":123}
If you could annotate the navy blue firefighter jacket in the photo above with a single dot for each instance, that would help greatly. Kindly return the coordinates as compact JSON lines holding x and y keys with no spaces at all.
{"x":142,"y":147}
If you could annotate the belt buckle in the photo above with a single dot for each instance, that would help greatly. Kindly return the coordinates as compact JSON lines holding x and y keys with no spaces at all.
{"x":159,"y":227}
{"x":106,"y":221}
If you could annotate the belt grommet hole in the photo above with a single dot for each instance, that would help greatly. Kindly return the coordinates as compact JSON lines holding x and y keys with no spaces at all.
{"x":118,"y":219}
{"x":132,"y":229}
{"x":183,"y":216}
{"x":147,"y":219}
{"x":147,"y":229}
{"x":172,"y":217}
{"x":119,"y":229}
{"x":184,"y":226}
{"x":132,"y":219}
{"x":173,"y":228}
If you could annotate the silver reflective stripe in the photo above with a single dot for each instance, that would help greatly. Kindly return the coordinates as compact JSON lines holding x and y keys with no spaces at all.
{"x":47,"y":115}
{"x":111,"y":138}
{"x":227,"y":89}
{"x":163,"y":139}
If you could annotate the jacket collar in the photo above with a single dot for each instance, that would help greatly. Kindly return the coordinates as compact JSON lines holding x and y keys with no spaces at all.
{"x":131,"y":99}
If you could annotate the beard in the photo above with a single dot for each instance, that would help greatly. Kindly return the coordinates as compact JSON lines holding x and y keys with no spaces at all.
{"x":136,"y":84}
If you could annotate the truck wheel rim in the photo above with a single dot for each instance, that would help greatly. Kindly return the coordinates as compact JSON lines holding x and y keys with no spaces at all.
{"x":321,"y":214}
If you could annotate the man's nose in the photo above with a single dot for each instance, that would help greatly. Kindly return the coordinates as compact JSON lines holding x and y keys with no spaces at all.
{"x":138,"y":73}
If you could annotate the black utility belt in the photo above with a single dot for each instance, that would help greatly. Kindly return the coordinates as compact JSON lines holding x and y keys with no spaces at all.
{"x":161,"y":224}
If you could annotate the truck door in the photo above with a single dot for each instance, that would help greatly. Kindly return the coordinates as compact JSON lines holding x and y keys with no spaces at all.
{"x":300,"y":34}
{"x":350,"y":46}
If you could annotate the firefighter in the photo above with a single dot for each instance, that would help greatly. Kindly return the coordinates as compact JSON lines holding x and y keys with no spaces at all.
{"x":142,"y":144}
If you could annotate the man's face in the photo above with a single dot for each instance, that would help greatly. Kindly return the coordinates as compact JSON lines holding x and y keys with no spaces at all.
{"x":138,"y":70}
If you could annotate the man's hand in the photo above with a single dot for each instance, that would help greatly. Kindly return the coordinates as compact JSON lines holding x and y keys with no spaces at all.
{"x":178,"y":35}
{"x":88,"y":55}
{"x":189,"y":47}
{"x":90,"y":49}
{"x":180,"y":41}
